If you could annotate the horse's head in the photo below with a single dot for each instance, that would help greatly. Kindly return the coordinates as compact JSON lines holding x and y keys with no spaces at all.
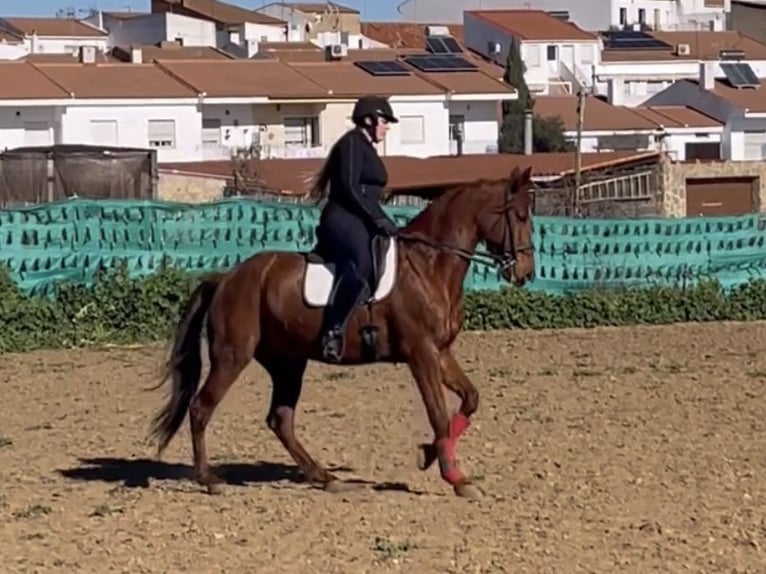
{"x":505,"y":226}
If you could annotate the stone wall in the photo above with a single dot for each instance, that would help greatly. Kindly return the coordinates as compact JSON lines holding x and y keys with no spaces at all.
{"x":190,"y":188}
{"x":672,"y":191}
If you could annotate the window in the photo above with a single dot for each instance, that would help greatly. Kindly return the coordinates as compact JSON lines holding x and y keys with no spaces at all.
{"x":553,"y":53}
{"x":456,"y":123}
{"x":412,"y":130}
{"x":301,"y":132}
{"x":162,"y":134}
{"x":103,"y":132}
{"x":623,"y":16}
{"x":641,"y":16}
{"x":532,"y":55}
{"x":211,"y":132}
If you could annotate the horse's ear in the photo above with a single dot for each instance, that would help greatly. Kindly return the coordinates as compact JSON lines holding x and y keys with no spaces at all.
{"x":514,"y":175}
{"x":526,"y":177}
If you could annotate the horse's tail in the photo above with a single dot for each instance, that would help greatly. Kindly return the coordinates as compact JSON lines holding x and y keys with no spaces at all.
{"x":184,"y":365}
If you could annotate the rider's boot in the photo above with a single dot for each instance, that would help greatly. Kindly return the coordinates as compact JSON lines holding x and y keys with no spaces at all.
{"x":350,"y":291}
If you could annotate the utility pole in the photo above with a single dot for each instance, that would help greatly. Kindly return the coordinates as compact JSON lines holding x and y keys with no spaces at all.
{"x":575,"y":203}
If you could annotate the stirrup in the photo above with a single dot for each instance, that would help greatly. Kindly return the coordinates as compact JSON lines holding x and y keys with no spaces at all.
{"x":333,"y":346}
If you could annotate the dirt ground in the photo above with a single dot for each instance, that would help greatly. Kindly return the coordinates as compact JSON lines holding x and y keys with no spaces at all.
{"x":610,"y":450}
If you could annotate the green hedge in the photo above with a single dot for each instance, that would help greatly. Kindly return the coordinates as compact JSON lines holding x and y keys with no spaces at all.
{"x":118,"y":309}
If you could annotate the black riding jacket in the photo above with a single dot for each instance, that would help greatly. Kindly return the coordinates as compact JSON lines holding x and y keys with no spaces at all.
{"x":357,"y":178}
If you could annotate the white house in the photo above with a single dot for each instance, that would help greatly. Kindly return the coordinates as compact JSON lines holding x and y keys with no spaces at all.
{"x":55,"y":35}
{"x":738,"y":101}
{"x":591,"y":15}
{"x":636,"y":65}
{"x":126,"y":28}
{"x":195,"y":110}
{"x":682,"y":132}
{"x":555,"y":52}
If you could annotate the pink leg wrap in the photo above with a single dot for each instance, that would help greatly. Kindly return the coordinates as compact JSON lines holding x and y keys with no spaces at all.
{"x":458,"y":425}
{"x":450,"y":472}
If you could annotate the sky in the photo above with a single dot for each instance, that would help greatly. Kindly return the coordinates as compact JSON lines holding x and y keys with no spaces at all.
{"x":372,"y":10}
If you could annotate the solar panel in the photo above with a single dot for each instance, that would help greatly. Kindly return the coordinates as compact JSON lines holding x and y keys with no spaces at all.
{"x":632,"y":40}
{"x":740,"y":75}
{"x":383,"y":68}
{"x":443,"y":45}
{"x":441,"y":64}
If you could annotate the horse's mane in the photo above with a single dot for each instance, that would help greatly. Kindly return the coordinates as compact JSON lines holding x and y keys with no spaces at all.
{"x":444,"y":203}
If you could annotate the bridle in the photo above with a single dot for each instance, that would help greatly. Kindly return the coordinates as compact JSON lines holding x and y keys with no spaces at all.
{"x":506,"y":261}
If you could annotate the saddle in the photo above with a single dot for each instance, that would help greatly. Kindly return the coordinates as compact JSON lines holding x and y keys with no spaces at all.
{"x":319,"y":277}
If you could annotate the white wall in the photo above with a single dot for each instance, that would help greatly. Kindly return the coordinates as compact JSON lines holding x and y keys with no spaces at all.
{"x":674,"y":14}
{"x":422,"y":129}
{"x":674,"y":142}
{"x":67,"y":45}
{"x":12,"y":51}
{"x":161,"y":27}
{"x":12,"y":125}
{"x":132,"y":127}
{"x":480,"y":130}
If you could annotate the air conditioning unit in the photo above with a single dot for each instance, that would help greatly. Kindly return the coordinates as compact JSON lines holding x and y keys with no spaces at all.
{"x":437,"y":31}
{"x":683,"y":49}
{"x":335,"y":51}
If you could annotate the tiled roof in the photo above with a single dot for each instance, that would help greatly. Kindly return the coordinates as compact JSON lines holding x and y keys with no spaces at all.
{"x":346,"y":79}
{"x":7,"y":37}
{"x":602,"y":116}
{"x":703,"y":45}
{"x":22,"y":80}
{"x":677,"y":117}
{"x":216,"y":11}
{"x":66,"y":58}
{"x":752,"y":100}
{"x":532,"y":25}
{"x":598,"y":116}
{"x":410,"y":173}
{"x":404,"y":34}
{"x":244,"y":78}
{"x":170,"y":51}
{"x":114,"y":81}
{"x":62,"y":27}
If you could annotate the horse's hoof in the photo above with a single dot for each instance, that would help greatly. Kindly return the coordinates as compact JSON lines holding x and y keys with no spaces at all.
{"x":468,"y":490}
{"x":426,"y":456}
{"x":340,"y":486}
{"x":215,"y":488}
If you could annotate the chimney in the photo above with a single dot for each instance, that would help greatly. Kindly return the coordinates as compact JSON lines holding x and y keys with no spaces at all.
{"x":707,"y":75}
{"x":528,"y":132}
{"x":136,"y":55}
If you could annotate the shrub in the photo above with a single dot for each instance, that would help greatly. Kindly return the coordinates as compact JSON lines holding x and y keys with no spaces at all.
{"x":119,"y":309}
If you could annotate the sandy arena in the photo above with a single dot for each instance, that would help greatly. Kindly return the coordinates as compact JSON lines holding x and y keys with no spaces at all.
{"x":613,"y":450}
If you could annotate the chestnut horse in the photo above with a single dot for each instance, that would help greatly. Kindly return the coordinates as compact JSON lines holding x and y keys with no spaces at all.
{"x":258,"y":310}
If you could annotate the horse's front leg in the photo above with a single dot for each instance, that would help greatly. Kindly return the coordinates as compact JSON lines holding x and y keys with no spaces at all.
{"x":458,"y":382}
{"x":426,"y":366}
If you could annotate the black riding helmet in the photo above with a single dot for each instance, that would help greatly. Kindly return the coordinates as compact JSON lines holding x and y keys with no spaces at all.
{"x":374,"y":106}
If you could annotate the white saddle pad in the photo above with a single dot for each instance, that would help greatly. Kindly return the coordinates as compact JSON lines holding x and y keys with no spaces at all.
{"x":320,"y":277}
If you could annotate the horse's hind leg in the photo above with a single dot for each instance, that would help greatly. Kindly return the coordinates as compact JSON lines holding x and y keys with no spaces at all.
{"x":225,"y":367}
{"x":287,"y":383}
{"x":458,"y":382}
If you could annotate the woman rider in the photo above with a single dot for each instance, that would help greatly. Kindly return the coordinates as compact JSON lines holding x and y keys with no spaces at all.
{"x":353,"y":216}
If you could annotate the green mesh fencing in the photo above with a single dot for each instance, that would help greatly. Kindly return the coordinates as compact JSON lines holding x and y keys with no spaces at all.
{"x":73,"y":239}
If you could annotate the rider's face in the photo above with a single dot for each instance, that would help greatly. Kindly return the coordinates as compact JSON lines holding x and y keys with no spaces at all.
{"x":380,"y":130}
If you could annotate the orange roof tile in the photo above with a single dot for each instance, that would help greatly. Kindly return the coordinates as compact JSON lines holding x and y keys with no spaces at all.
{"x":22,"y":80}
{"x":346,"y":79}
{"x":404,"y":34}
{"x":63,"y":27}
{"x":410,"y":173}
{"x":244,"y":78}
{"x":115,"y":81}
{"x":533,"y":25}
{"x":215,"y":11}
{"x":65,"y":58}
{"x":170,"y":51}
{"x":598,"y":116}
{"x":677,"y":117}
{"x":7,"y":37}
{"x":703,"y":45}
{"x":752,"y":100}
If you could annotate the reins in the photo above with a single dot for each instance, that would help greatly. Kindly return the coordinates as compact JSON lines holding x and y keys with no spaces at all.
{"x":484,"y":257}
